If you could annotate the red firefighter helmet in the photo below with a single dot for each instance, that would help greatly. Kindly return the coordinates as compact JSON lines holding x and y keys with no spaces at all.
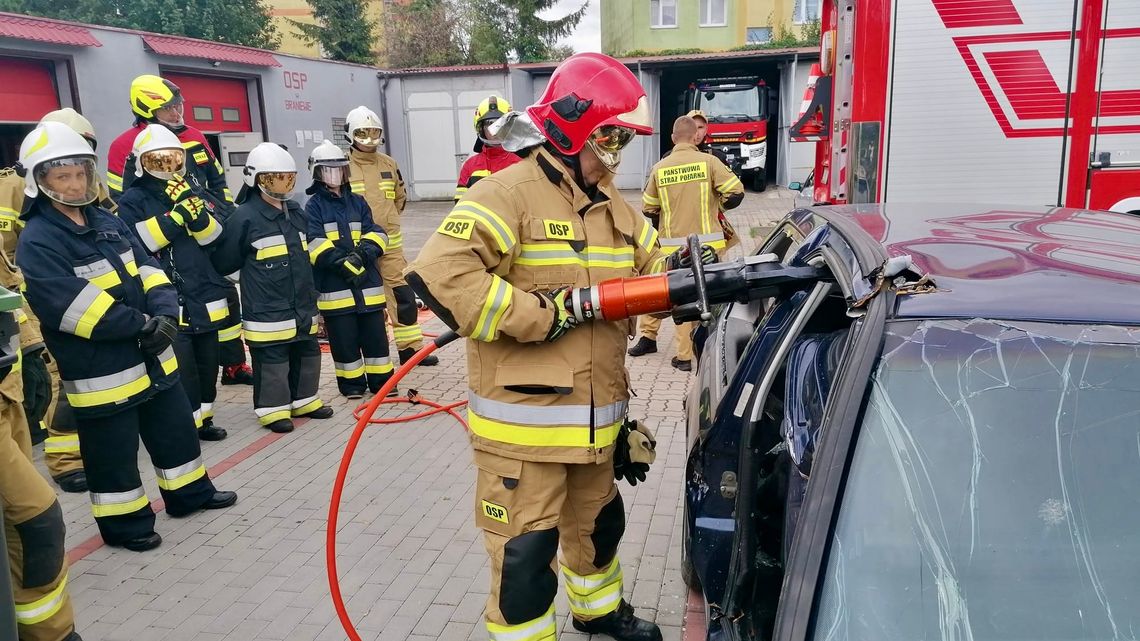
{"x":588,"y":91}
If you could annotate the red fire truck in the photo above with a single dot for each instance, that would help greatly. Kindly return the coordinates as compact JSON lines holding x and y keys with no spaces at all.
{"x":1001,"y":101}
{"x":737,"y":111}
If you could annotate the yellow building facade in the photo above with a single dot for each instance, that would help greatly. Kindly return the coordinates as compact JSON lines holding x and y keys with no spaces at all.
{"x":285,"y":10}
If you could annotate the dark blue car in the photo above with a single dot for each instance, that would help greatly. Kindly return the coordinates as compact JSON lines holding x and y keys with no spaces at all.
{"x":938,"y":439}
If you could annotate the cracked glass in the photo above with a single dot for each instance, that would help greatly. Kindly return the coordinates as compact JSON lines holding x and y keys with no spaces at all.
{"x":994,"y":491}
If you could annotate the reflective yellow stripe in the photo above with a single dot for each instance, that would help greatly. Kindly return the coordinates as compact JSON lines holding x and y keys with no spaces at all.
{"x":306,"y":405}
{"x":270,"y":247}
{"x":395,"y":240}
{"x":218,"y":310}
{"x":494,"y":306}
{"x":21,"y":316}
{"x":595,"y":594}
{"x":728,"y":185}
{"x":495,"y":225}
{"x":233,"y":332}
{"x":212,"y":232}
{"x":267,"y":415}
{"x":542,"y":436}
{"x":319,"y":247}
{"x":150,"y":232}
{"x":168,"y":361}
{"x":381,"y":240}
{"x":561,"y":253}
{"x":44,"y":607}
{"x":544,"y":628}
{"x":128,"y":258}
{"x":227,"y":194}
{"x":118,"y":503}
{"x":61,"y":444}
{"x":647,"y":238}
{"x":109,"y":389}
{"x":349,"y":370}
{"x":652,"y":201}
{"x":106,"y":281}
{"x":705,"y":222}
{"x":357,"y":186}
{"x":342,"y":299}
{"x":181,"y":476}
{"x":85,"y":311}
{"x":373,"y":296}
{"x":152,"y":277}
{"x":114,"y":181}
{"x":266,"y":332}
{"x":407,"y":333}
{"x":382,"y":365}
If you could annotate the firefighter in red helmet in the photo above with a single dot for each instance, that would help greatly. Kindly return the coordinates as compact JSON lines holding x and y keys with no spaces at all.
{"x":489,"y":155}
{"x":548,"y":398}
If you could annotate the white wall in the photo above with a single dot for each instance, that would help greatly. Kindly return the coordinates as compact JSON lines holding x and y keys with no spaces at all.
{"x":796,"y":159}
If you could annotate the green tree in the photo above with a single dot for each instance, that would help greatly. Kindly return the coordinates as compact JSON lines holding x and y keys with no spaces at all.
{"x":342,"y":29}
{"x":423,"y":33}
{"x":506,"y":30}
{"x":241,"y":22}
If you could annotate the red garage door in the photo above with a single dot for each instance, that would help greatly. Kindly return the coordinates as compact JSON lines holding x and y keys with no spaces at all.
{"x":27,"y":89}
{"x":214,"y":104}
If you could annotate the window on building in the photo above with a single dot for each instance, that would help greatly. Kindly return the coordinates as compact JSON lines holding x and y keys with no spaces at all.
{"x":759,"y":35}
{"x":230,"y":114}
{"x":203,"y":114}
{"x":712,"y":13}
{"x":663,"y":13}
{"x":806,"y":11}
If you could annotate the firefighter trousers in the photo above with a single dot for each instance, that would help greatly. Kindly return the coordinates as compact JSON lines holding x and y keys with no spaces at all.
{"x":198,"y":370}
{"x":34,"y":530}
{"x":401,"y":305}
{"x":649,"y":326}
{"x":61,"y":448}
{"x":111,"y":451}
{"x":359,"y":346}
{"x":230,"y":347}
{"x":527,"y":510}
{"x":285,"y":379}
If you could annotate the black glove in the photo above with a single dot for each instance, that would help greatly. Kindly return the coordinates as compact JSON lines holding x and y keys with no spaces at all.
{"x":37,"y":387}
{"x":352,"y":268}
{"x":634,"y":452}
{"x":680,"y":259}
{"x":157,"y":334}
{"x":563,"y":321}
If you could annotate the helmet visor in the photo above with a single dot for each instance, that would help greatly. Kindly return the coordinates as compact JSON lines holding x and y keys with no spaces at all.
{"x":164,"y":164}
{"x":277,"y":184}
{"x":331,"y":176}
{"x":367,"y":136}
{"x":172,"y":113}
{"x":607,"y":142}
{"x":68,"y":181}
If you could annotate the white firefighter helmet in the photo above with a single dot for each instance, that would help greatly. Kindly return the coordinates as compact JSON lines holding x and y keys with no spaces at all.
{"x":272,"y":169}
{"x":73,"y":119}
{"x":54,"y":145}
{"x":327,"y":154}
{"x":363,"y":127}
{"x":158,"y":152}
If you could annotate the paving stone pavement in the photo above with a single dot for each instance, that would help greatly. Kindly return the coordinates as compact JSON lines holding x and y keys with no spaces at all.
{"x":412,"y":564}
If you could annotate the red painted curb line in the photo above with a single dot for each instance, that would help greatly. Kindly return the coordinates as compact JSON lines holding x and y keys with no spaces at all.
{"x":693,"y":625}
{"x":94,"y":543}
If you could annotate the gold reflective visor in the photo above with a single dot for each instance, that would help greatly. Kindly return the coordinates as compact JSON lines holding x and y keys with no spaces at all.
{"x":612,"y":138}
{"x":367,"y":136}
{"x":164,"y":163}
{"x":277,"y":184}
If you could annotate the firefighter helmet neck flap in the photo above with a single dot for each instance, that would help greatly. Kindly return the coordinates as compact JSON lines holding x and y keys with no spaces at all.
{"x":159,"y":153}
{"x":57,"y":162}
{"x":272,"y":170}
{"x":364,"y":129}
{"x":157,"y":100}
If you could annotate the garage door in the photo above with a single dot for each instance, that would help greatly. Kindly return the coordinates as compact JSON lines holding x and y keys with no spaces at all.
{"x":214,"y":104}
{"x":27,"y":89}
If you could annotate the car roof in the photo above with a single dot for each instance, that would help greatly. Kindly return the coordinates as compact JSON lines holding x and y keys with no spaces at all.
{"x":1026,"y":263}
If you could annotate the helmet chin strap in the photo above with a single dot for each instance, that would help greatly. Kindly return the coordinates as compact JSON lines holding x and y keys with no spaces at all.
{"x":575,"y":165}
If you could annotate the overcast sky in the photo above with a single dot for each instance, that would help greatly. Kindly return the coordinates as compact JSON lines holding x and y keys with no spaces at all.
{"x":588,"y":35}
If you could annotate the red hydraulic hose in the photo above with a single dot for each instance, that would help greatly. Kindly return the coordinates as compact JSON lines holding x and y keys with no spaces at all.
{"x":364,"y":418}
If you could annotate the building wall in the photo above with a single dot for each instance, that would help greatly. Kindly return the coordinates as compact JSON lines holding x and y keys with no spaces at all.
{"x":285,"y":10}
{"x":626,"y":25}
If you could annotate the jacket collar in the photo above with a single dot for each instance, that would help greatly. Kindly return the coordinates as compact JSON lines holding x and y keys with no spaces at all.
{"x":685,"y":146}
{"x":43,"y":208}
{"x":265,"y":209}
{"x":361,"y":157}
{"x":560,"y":175}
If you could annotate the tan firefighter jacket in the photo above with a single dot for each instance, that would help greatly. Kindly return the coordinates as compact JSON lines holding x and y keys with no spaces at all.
{"x":529,"y":229}
{"x":686,"y":191}
{"x":377,"y":177}
{"x":11,"y":202}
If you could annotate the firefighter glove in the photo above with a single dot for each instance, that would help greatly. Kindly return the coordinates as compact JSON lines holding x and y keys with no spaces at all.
{"x":352,"y":268}
{"x":634,"y":452}
{"x":680,"y":259}
{"x":196,"y":213}
{"x":563,"y":320}
{"x":157,"y":334}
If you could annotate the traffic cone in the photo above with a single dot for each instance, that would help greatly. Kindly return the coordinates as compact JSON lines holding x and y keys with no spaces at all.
{"x":809,"y":124}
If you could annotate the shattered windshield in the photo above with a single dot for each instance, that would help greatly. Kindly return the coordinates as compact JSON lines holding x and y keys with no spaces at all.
{"x":994,"y":492}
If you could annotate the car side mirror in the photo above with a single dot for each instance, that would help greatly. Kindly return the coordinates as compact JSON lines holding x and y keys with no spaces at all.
{"x":796,"y":186}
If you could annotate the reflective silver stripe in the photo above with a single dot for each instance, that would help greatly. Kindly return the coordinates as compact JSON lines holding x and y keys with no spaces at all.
{"x":78,"y":307}
{"x":590,"y":582}
{"x":354,"y":226}
{"x":117,"y":498}
{"x":275,"y":326}
{"x":44,"y":608}
{"x":90,"y":271}
{"x":217,"y":309}
{"x":174,"y":473}
{"x":298,"y":404}
{"x":328,"y":297}
{"x":680,"y":242}
{"x":268,"y":241}
{"x":104,"y":383}
{"x":534,"y":630}
{"x":558,"y":415}
{"x":349,"y":370}
{"x":330,"y":228}
{"x":264,"y":411}
{"x":152,"y":277}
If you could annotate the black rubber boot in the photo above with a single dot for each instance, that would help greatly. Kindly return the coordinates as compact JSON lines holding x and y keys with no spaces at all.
{"x":218,"y":501}
{"x":73,"y":482}
{"x":684,"y":366}
{"x":323,"y":411}
{"x":143,"y":543}
{"x":621,"y":624}
{"x":643,"y":346}
{"x":211,"y":432}
{"x":406,"y":355}
{"x":281,"y":427}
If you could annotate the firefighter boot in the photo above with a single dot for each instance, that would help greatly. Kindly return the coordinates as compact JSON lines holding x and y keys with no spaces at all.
{"x":218,"y":501}
{"x":684,"y":366}
{"x":621,"y":624}
{"x":643,"y":346}
{"x":211,"y":432}
{"x":73,"y":482}
{"x":407,"y":354}
{"x":143,"y":543}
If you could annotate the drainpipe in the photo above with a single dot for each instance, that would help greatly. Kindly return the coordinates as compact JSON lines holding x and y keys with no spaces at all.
{"x":384,"y":110}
